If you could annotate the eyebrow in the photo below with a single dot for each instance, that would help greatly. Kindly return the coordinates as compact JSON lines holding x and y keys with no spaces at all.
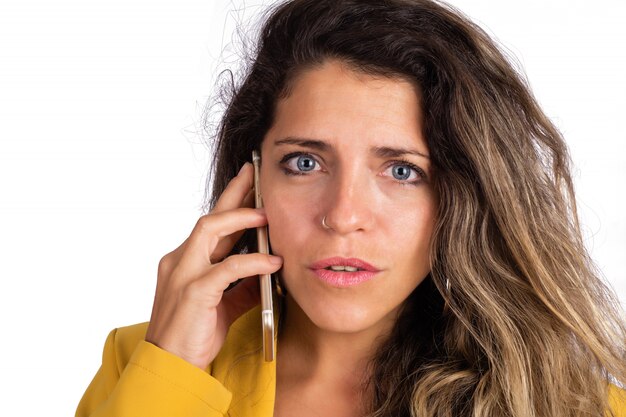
{"x":379,"y":151}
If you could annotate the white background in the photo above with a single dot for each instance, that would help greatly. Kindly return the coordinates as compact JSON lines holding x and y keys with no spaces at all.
{"x":102,"y":164}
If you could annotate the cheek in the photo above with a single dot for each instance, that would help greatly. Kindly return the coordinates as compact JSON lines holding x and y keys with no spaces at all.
{"x":411,"y":231}
{"x":426,"y":221}
{"x":288,"y":221}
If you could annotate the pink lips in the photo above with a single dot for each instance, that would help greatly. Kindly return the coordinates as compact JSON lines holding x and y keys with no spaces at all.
{"x":343,"y":278}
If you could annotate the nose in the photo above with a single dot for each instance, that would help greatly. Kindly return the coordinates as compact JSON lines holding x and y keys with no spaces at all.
{"x":348,"y":207}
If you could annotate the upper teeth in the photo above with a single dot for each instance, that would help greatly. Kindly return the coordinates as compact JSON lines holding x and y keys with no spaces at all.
{"x":343,"y":268}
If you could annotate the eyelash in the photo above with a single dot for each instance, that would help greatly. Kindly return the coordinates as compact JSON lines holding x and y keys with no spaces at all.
{"x":418,"y":170}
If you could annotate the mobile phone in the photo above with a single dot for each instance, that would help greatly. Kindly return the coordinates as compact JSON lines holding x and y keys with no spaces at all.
{"x":267,"y":308}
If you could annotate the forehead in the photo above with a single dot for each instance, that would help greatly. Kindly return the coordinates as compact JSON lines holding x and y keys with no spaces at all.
{"x":339,"y":105}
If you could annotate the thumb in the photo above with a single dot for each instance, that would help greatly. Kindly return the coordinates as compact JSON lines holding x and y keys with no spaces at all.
{"x":242,"y":297}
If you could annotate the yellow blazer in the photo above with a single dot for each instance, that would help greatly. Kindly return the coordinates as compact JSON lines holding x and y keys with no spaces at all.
{"x":138,"y":379}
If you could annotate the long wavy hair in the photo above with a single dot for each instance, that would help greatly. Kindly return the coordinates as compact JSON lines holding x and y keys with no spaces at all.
{"x":513,"y":319}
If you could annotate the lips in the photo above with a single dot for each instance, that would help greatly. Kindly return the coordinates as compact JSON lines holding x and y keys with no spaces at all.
{"x":353,"y":262}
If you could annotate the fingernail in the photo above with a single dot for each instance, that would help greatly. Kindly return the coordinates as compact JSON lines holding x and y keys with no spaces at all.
{"x":276,"y":260}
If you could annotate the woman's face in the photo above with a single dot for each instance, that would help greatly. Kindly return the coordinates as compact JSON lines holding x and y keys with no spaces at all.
{"x":379,"y":208}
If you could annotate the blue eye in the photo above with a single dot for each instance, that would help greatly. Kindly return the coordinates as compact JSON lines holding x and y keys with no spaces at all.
{"x":401,"y":169}
{"x":403,"y":172}
{"x":304,"y":163}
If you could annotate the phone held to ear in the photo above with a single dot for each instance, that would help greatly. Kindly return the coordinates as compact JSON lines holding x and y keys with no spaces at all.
{"x":267,"y":308}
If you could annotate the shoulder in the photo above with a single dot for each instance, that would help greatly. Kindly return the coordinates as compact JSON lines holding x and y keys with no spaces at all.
{"x":617,"y":400}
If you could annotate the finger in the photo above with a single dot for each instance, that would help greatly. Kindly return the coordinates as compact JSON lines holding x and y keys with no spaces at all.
{"x":226,"y":244}
{"x":208,"y":289}
{"x":236,"y":190}
{"x":248,"y":200}
{"x":212,"y":228}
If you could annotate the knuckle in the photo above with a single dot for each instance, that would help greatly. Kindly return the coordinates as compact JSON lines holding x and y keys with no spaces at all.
{"x":231,"y":264}
{"x":205,"y":222}
{"x":165,"y":265}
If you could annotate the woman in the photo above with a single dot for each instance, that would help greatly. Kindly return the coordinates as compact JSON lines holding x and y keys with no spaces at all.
{"x":396,"y":138}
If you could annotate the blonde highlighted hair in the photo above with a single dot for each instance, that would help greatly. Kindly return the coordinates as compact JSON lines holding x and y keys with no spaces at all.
{"x":529,"y":328}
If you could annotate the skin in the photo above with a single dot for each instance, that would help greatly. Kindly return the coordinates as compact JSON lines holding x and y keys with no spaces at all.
{"x":330,"y":332}
{"x":191,"y":313}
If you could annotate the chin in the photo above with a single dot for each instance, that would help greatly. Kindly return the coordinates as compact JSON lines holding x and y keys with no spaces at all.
{"x":339,"y":315}
{"x":344,"y":319}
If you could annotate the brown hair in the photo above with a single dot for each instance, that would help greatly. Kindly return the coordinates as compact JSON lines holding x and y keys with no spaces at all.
{"x":530,"y":328}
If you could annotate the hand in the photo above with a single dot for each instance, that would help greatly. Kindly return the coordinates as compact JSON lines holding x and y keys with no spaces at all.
{"x":191,"y":313}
